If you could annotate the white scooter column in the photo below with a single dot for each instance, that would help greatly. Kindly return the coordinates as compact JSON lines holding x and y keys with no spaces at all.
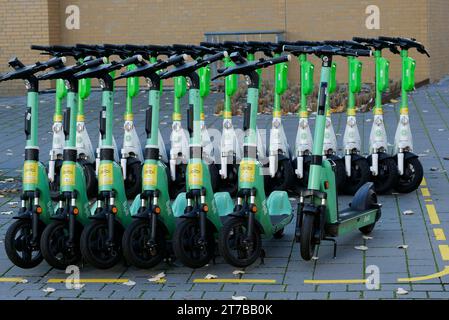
{"x":403,"y":140}
{"x":351,"y":141}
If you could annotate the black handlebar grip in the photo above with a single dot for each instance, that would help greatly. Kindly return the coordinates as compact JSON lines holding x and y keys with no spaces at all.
{"x":293,"y":48}
{"x":41,"y":48}
{"x":277,"y":60}
{"x":362,"y":40}
{"x":210,"y":44}
{"x":131,"y":60}
{"x":94,"y":63}
{"x":361,"y":52}
{"x":53,"y":62}
{"x":216,"y":57}
{"x":175,"y":59}
{"x":390,"y":39}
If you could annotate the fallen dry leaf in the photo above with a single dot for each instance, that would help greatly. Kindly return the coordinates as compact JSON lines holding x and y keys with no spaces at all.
{"x":237,"y":272}
{"x":401,"y":291}
{"x":157,"y":277}
{"x":239,"y":298}
{"x":408,"y":212}
{"x":361,"y":248}
{"x":211,"y":276}
{"x":129,"y":283}
{"x":367,"y":237}
{"x":48,"y":290}
{"x":403,"y":246}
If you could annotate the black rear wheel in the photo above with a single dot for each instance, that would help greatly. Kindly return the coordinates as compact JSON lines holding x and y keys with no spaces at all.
{"x":307,"y":240}
{"x":230,"y":184}
{"x":179,"y":184}
{"x":95,"y":248}
{"x":91,"y":179}
{"x":360,"y":174}
{"x":18,"y":247}
{"x":137,"y":248}
{"x":54,"y":186}
{"x":412,"y":177}
{"x":235,"y":246}
{"x":187,"y":247}
{"x":54,"y":246}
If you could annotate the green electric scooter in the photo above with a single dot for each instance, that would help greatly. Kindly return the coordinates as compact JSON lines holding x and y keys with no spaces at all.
{"x":240,"y":239}
{"x":101,"y":240}
{"x":318,"y":216}
{"x":60,"y":239}
{"x":85,"y":152}
{"x":410,"y":169}
{"x":199,"y":209}
{"x":145,"y":241}
{"x":22,"y":238}
{"x":384,"y":172}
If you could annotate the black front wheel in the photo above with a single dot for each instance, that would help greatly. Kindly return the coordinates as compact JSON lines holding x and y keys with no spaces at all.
{"x":360,"y":174}
{"x":18,"y":245}
{"x":188,"y":247}
{"x":307,"y":239}
{"x":236,"y":246}
{"x":283,"y":178}
{"x":230,"y":184}
{"x":54,"y":185}
{"x":95,"y":248}
{"x":412,"y":177}
{"x":54,"y":246}
{"x":138,"y":249}
{"x":386,"y":177}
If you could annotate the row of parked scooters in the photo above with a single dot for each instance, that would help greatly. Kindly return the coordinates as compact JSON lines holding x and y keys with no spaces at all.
{"x":182,"y":199}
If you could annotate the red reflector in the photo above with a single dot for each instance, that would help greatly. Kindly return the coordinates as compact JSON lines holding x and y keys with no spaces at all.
{"x":326,"y":184}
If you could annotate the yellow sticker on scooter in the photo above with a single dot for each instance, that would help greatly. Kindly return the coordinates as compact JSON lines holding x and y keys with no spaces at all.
{"x":195,"y":174}
{"x":105,"y":174}
{"x":150,"y":175}
{"x":68,"y":175}
{"x":247,"y":171}
{"x":30,"y":172}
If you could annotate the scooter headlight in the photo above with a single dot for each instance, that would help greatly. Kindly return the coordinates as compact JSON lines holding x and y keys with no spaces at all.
{"x":404,"y":120}
{"x":351,"y":122}
{"x":303,"y":124}
{"x":128,"y":126}
{"x":176,"y":126}
{"x":57,"y":128}
{"x":328,"y":123}
{"x":79,"y":127}
{"x":378,"y":121}
{"x":276,"y":123}
{"x":227,"y":124}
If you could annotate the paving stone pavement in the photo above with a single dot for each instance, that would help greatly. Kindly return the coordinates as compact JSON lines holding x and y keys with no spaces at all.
{"x":426,"y":254}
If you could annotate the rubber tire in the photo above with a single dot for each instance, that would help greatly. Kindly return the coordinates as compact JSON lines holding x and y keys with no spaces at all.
{"x":304,"y":181}
{"x":86,"y":251}
{"x":406,"y":187}
{"x":386,"y":179}
{"x":283,"y":179}
{"x":367,"y":229}
{"x":306,"y":241}
{"x":10,"y":248}
{"x":47,"y":252}
{"x":54,"y":186}
{"x":223,"y":245}
{"x":279,"y":234}
{"x":91,"y":180}
{"x":178,"y":245}
{"x":133,"y":181}
{"x":129,"y":247}
{"x":351,"y":184}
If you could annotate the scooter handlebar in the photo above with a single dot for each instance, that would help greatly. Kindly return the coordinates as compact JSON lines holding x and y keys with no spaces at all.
{"x":137,"y":59}
{"x":406,"y":43}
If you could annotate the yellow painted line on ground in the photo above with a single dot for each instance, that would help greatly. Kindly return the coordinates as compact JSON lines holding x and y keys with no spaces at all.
{"x":425,"y":192}
{"x":428,"y":200}
{"x":11,"y":279}
{"x":218,"y":280}
{"x":432,"y":214}
{"x":444,"y":251}
{"x":336,"y":281}
{"x":442,"y":273}
{"x":439,"y":234}
{"x":55,"y":280}
{"x":423,"y":182}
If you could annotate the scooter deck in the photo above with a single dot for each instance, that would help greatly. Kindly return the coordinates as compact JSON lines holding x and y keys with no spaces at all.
{"x":349,"y":220}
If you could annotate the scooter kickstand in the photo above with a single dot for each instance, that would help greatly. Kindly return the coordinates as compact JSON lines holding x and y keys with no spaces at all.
{"x":335,"y":245}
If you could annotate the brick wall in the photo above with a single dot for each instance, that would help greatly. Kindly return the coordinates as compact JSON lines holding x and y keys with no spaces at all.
{"x":185,"y":21}
{"x":22,"y":23}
